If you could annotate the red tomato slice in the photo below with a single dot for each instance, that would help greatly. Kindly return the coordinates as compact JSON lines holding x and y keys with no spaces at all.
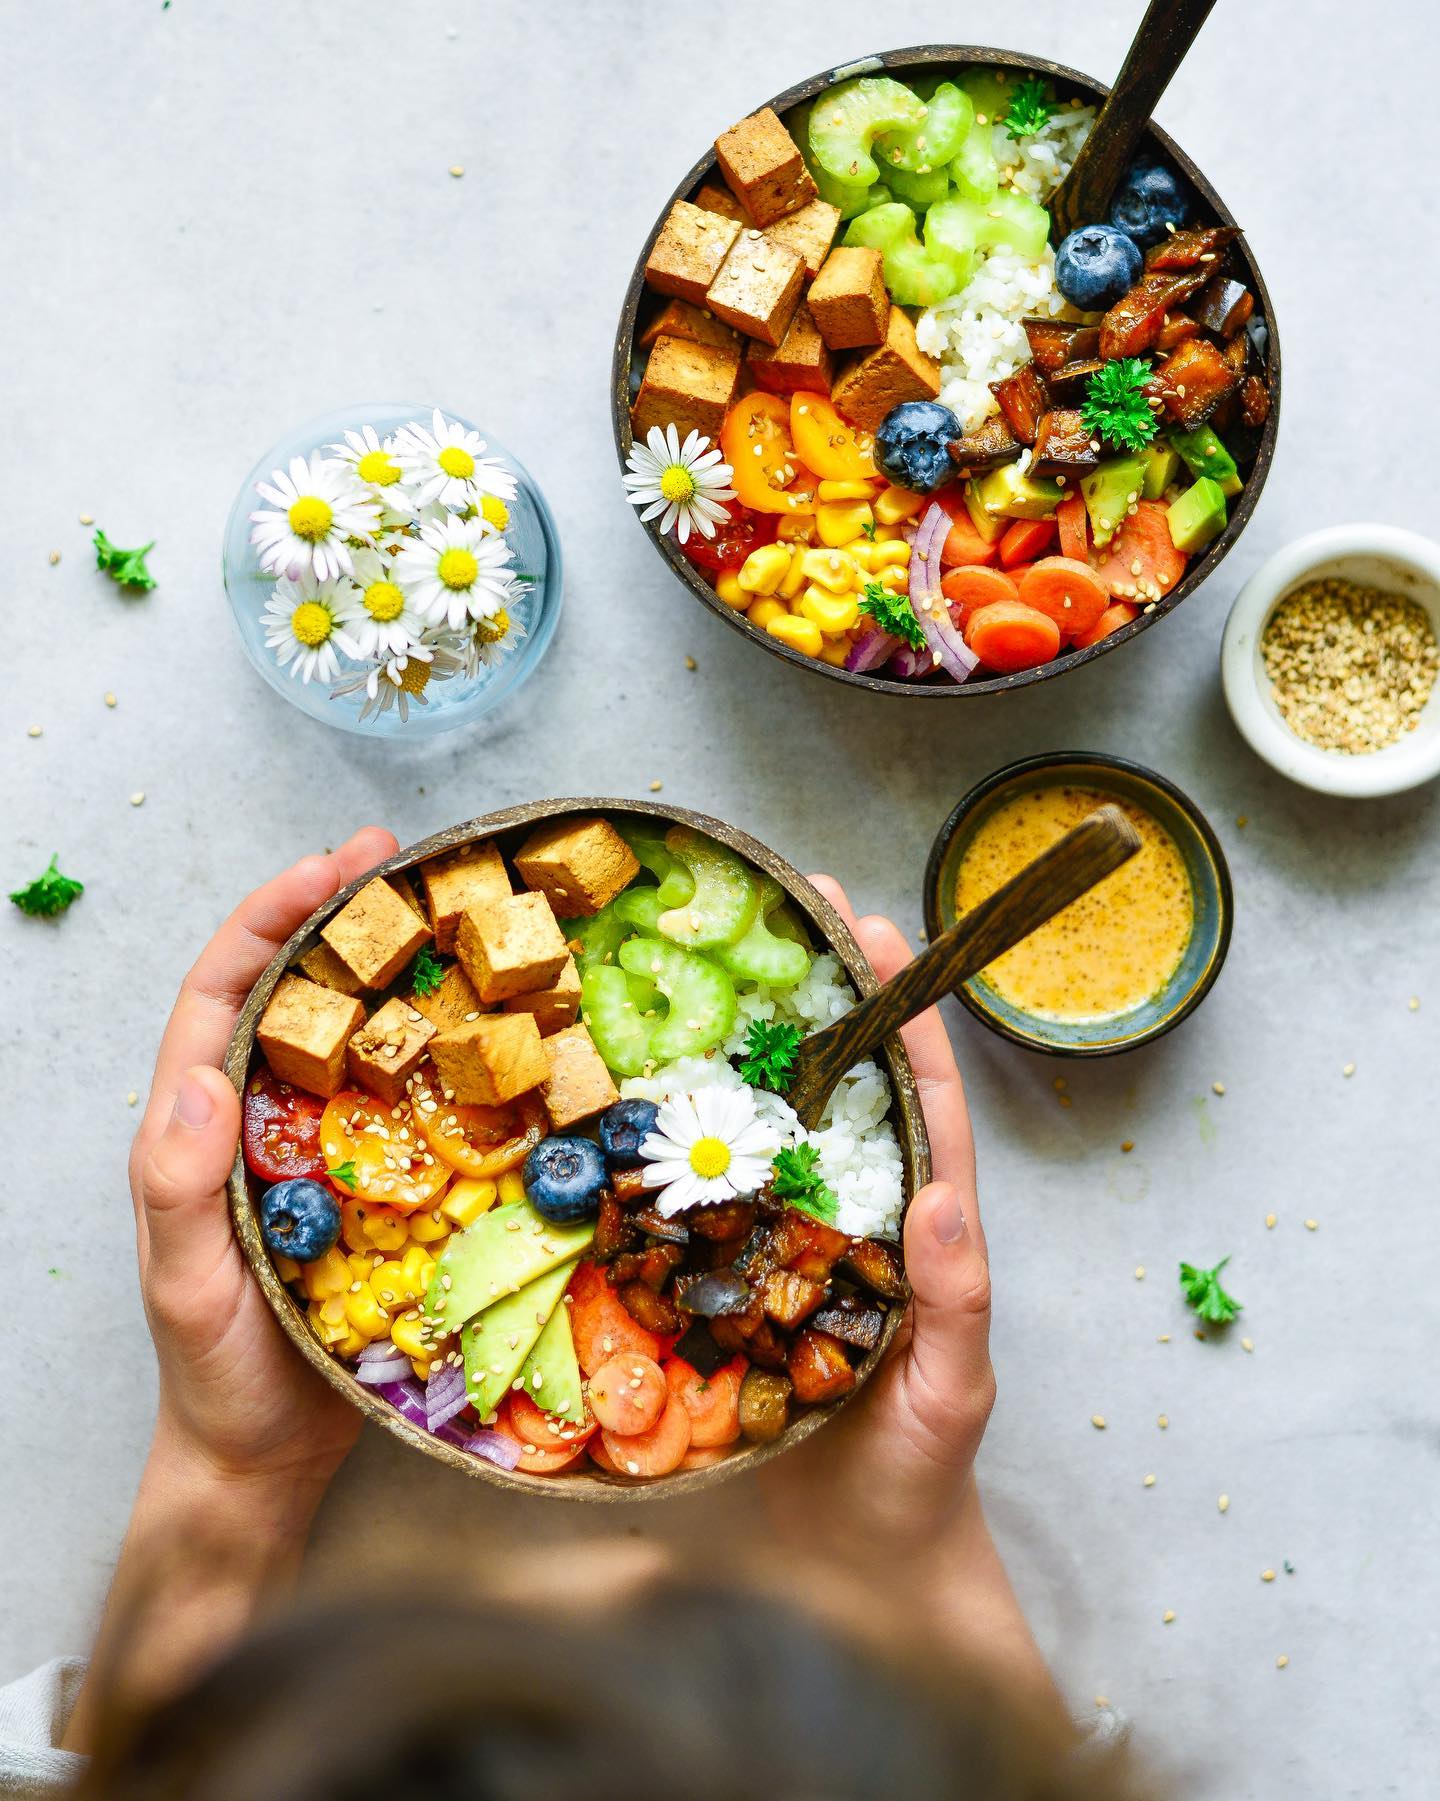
{"x":281,"y":1129}
{"x":477,"y":1141}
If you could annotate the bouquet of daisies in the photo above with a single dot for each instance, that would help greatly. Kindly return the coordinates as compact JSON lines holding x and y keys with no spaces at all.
{"x":392,"y":565}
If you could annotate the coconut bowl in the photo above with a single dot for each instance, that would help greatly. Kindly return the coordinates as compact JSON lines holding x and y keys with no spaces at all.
{"x":641,"y":304}
{"x":509,"y":827}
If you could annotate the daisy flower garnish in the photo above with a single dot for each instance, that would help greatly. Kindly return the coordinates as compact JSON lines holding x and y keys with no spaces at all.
{"x":375,"y":610}
{"x":486,"y":643}
{"x":317,"y":506}
{"x":448,"y":464}
{"x":456,"y":568}
{"x":684,"y":486}
{"x":399,"y":681}
{"x":375,"y":469}
{"x":303,"y":627}
{"x":706,"y":1147}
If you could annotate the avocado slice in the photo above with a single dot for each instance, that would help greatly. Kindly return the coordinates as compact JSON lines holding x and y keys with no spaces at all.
{"x":499,"y":1342}
{"x":1197,"y":516}
{"x":1109,"y":492}
{"x":1161,"y":466}
{"x":1204,"y":454}
{"x":551,"y":1376}
{"x":1010,"y":494}
{"x":990,"y":526}
{"x":505,"y":1248}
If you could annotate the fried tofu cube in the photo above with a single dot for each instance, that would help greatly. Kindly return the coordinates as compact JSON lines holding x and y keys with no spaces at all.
{"x":453,"y":1003}
{"x":763,"y":167}
{"x":896,"y":371}
{"x":405,"y":888}
{"x":802,"y":362}
{"x":511,"y":946}
{"x":554,"y":1007}
{"x":689,"y":386}
{"x":688,"y":251}
{"x":713,"y":198}
{"x":679,"y":319}
{"x":577,"y":1085}
{"x":304,"y":1031}
{"x":375,"y":934}
{"x":849,"y":298}
{"x":758,"y":287}
{"x":322,"y":965}
{"x":387,"y":1047}
{"x":809,"y":232}
{"x":490,"y":1060}
{"x":468,"y":878}
{"x":579,"y":865}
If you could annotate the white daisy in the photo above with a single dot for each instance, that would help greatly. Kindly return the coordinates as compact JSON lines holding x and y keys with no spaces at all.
{"x":487,"y":643}
{"x":686,"y":483}
{"x":377,"y":471}
{"x":397,"y":681}
{"x":455,"y":568}
{"x":319,"y":505}
{"x":707,"y":1147}
{"x":303,"y":627}
{"x":375,"y":610}
{"x":448,"y":464}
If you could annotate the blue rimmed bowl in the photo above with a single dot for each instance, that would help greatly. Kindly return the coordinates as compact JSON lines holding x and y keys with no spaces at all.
{"x":1212,"y":899}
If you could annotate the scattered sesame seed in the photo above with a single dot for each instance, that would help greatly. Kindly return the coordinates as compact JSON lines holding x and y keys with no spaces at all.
{"x":1167,"y":1618}
{"x":35,"y":731}
{"x":109,"y":698}
{"x":137,"y":799}
{"x":1349,"y":1070}
{"x":1414,"y":1003}
{"x":1139,"y":1272}
{"x":655,"y":787}
{"x":1102,"y":1701}
{"x":131,"y":1098}
{"x":1247,"y":1344}
{"x":1218,"y":1087}
{"x":1127,"y":1144}
{"x":1267,"y":1575}
{"x":1311,"y":1225}
{"x":1097,"y":1420}
{"x":1164,"y":1338}
{"x":1163,"y":1421}
{"x":1060,"y":1084}
{"x":54,"y":558}
{"x":1223,"y":1503}
{"x":457,"y":170}
{"x":1149,"y":1482}
{"x":690,"y":663}
{"x":1282,"y":1661}
{"x":1065,"y":1100}
{"x":1269,"y":1222}
{"x":1242,"y":821}
{"x":632,"y":1467}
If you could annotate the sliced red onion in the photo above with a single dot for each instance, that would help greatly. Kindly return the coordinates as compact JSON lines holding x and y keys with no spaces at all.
{"x":379,"y":1350}
{"x":408,"y":1400}
{"x":495,"y":1447}
{"x":928,"y":600}
{"x":909,"y":664}
{"x":869,"y":652}
{"x":385,"y":1365}
{"x":445,"y":1395}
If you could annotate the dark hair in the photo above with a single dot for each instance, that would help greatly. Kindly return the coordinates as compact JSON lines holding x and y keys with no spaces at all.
{"x":709,"y":1693}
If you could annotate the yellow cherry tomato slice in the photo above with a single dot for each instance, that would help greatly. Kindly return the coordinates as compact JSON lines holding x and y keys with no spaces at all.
{"x":477,"y":1141}
{"x":825,"y":443}
{"x":385,"y":1148}
{"x":766,"y":474}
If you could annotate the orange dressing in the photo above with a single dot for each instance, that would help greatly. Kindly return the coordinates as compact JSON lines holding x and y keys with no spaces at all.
{"x":1107,"y":952}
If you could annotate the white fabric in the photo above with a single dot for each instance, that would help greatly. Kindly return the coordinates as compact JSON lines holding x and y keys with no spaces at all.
{"x":34,"y":1713}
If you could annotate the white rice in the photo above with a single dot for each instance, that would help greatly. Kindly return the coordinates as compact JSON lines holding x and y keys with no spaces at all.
{"x":976,"y":335}
{"x":859,"y":1154}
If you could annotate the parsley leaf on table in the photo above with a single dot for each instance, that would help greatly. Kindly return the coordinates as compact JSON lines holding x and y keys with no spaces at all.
{"x":1204,"y":1293}
{"x":127,"y":567}
{"x":797,"y":1181}
{"x":769,"y":1055}
{"x":48,"y":894}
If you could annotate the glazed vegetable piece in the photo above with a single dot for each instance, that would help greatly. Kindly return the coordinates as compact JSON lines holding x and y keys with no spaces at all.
{"x":764,"y":1405}
{"x":1133,"y":325}
{"x":761,"y":955}
{"x":927,"y":146}
{"x":1193,"y":380}
{"x":727,"y":892}
{"x":853,"y":1320}
{"x":818,"y":1367}
{"x":1063,"y":445}
{"x":1053,"y":342}
{"x":696,"y":1346}
{"x":1200,"y":246}
{"x":477,"y":1141}
{"x":1024,"y":400}
{"x":846,"y":120}
{"x":987,"y":447}
{"x":716,"y":1294}
{"x":1223,"y":306}
{"x":789,"y":1298}
{"x":876,"y":1265}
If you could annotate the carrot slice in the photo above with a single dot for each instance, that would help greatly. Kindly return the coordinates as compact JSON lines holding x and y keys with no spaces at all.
{"x":652,"y":1453}
{"x":628,"y":1394}
{"x":1068,"y":592}
{"x":535,"y":1461}
{"x":1026,"y":540}
{"x":700,"y":1457}
{"x":713,"y":1402}
{"x":1118,"y":613}
{"x":600,"y":1323}
{"x":971,"y":587}
{"x":1141,"y":561}
{"x":1007,"y":636}
{"x":1073,"y":522}
{"x":963,"y":544}
{"x":598,"y":1454}
{"x":536,"y":1427}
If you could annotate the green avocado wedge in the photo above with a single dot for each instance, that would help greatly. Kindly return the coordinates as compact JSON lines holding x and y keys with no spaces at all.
{"x":551,"y":1376}
{"x":498,"y":1343}
{"x":504,"y":1250}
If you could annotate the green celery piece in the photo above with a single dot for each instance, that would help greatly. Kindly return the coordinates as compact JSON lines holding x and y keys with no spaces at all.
{"x":701,"y":996}
{"x":640,"y":908}
{"x":599,"y":936}
{"x":918,"y":191}
{"x":726,"y":895}
{"x":1004,"y":222}
{"x":924,"y":148}
{"x":846,"y":120}
{"x":990,"y":91}
{"x":614,"y":1017}
{"x":648,"y":844}
{"x":973,"y":168}
{"x":763,"y":955}
{"x":914,"y":275}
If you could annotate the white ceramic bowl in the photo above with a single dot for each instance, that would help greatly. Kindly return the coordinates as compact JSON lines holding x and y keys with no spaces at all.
{"x":1380,"y":556}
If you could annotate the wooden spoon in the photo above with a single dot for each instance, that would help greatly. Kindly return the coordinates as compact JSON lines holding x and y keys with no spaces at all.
{"x":1083,"y":857}
{"x":1166,"y":32}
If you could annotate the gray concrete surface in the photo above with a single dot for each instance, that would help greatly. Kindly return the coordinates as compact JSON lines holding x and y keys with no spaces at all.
{"x":218,"y":220}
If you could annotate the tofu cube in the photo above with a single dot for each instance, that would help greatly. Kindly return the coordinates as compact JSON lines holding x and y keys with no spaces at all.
{"x":468,"y":878}
{"x":405,"y":888}
{"x":679,"y":319}
{"x":689,"y":386}
{"x":758,"y":287}
{"x":304,"y":1031}
{"x":384,"y":1052}
{"x":490,"y":1060}
{"x":897,"y":371}
{"x":551,"y":1007}
{"x":802,"y":362}
{"x":686,"y":255}
{"x":375,"y":934}
{"x":577,"y":1085}
{"x":809,"y":232}
{"x":763,"y":167}
{"x":511,"y":946}
{"x":322,"y":965}
{"x":579,"y":865}
{"x":453,"y":1003}
{"x":849,"y":298}
{"x":714,"y":198}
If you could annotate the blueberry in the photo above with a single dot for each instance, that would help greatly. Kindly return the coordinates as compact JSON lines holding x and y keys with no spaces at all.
{"x":912,"y":445}
{"x":622,"y":1128}
{"x":299,"y":1219}
{"x":1150,"y":194}
{"x":1096,"y":266}
{"x":563,"y":1178}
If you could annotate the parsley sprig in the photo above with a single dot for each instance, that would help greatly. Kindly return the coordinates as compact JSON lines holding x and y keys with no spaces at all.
{"x":48,"y":894}
{"x":768,"y":1055}
{"x":124,"y":566}
{"x":1116,"y":405}
{"x":343,"y":1172}
{"x":427,"y":972}
{"x":893,"y":613}
{"x":797,"y":1181}
{"x":1204,"y":1293}
{"x":1030,"y":110}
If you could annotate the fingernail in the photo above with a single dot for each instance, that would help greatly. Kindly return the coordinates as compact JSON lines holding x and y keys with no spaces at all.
{"x":949,"y":1217}
{"x":193,"y":1105}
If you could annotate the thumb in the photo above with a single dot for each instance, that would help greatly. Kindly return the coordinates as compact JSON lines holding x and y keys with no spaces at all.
{"x":182,"y":1177}
{"x":949,"y":1382}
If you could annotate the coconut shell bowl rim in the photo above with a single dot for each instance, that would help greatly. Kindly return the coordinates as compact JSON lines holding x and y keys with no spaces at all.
{"x":593,"y":1485}
{"x":923,"y":59}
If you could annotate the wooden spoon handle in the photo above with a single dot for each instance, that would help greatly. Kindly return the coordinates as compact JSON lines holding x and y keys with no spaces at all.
{"x":1083,"y":857}
{"x":1166,"y":32}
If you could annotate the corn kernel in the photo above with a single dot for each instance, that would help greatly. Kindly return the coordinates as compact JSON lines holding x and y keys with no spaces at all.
{"x":421,"y":1367}
{"x":361,"y":1263}
{"x":408,"y":1332}
{"x":896,"y":550}
{"x":730,"y":591}
{"x":833,"y":613}
{"x":386,"y":1231}
{"x":365,"y":1313}
{"x":418,"y":1266}
{"x":896,"y":504}
{"x":765,"y":611}
{"x":763,"y":569}
{"x":351,"y":1345}
{"x":832,"y":490}
{"x":329,"y":1332}
{"x":800,"y":634}
{"x":861,"y":554}
{"x":388,"y":1285}
{"x":834,"y":651}
{"x":511,"y":1187}
{"x":327,"y":1275}
{"x":830,"y":569}
{"x":841,"y":522}
{"x":794,"y":579}
{"x":288,"y":1269}
{"x":896,"y":578}
{"x":332,"y":1310}
{"x":797,"y":528}
{"x":466,"y":1199}
{"x":427,"y":1228}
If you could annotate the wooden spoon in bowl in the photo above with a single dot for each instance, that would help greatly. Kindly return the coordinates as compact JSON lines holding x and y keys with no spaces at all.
{"x":1083,"y":857}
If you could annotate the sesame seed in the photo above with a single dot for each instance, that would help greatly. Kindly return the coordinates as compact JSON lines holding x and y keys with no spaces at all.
{"x":87,"y":519}
{"x":1149,"y":1482}
{"x":54,"y":558}
{"x":1349,"y":1069}
{"x":1139,"y":1272}
{"x":633,"y":1467}
{"x":1223,"y":1504}
{"x":137,"y":799}
{"x":109,"y":698}
{"x":1247,"y":1344}
{"x":131,"y":1098}
{"x":1282,"y":1662}
{"x":655,"y":787}
{"x":1168,"y":1617}
{"x":1414,"y":1003}
{"x":1164,"y":1338}
{"x":1267,"y":1575}
{"x":457,"y":170}
{"x":35,"y":731}
{"x":1097,"y":1420}
{"x":1269,"y":1222}
{"x":1163,"y":1421}
{"x":690,"y":663}
{"x":1218,"y":1087}
{"x":1312,"y":1225}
